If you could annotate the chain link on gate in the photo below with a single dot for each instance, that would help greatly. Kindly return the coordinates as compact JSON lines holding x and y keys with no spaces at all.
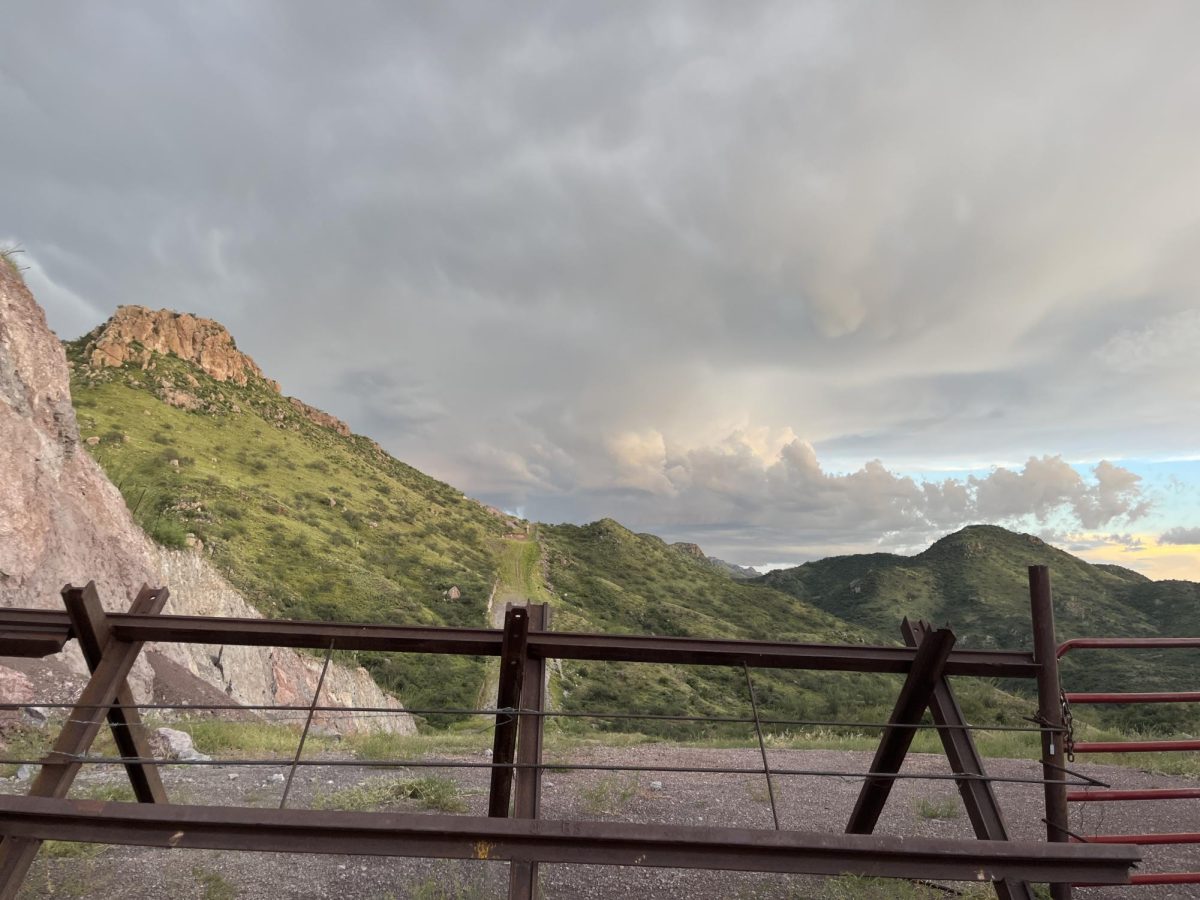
{"x":1069,"y":725}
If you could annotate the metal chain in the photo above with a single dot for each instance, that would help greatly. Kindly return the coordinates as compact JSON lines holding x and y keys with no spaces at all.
{"x":1069,"y":724}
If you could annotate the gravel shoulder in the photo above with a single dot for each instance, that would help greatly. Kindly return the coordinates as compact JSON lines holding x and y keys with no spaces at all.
{"x":925,"y":808}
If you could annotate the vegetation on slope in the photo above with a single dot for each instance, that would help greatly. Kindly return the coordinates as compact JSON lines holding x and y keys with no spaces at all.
{"x":976,"y":581}
{"x":311,"y":523}
{"x":307,"y":523}
{"x":607,"y":578}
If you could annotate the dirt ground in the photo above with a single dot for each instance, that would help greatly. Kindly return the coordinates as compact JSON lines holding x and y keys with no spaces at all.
{"x":926,"y":808}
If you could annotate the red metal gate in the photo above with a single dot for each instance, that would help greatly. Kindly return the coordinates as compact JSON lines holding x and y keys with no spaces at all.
{"x":1137,"y":746}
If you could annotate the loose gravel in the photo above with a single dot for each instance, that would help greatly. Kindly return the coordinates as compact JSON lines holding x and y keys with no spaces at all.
{"x":925,"y":808}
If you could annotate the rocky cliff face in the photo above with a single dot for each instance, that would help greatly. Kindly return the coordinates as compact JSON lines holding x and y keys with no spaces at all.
{"x":62,"y":520}
{"x":135,"y":333}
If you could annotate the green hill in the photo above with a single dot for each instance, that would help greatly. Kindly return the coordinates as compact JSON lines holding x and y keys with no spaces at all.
{"x":975,"y":580}
{"x":310,"y":521}
{"x":307,"y":522}
{"x":607,"y":578}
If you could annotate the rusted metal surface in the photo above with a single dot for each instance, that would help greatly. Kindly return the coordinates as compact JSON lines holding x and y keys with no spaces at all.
{"x":978,"y":797}
{"x":910,"y":706}
{"x":522,"y":839}
{"x":508,"y":698}
{"x":549,"y":645}
{"x":608,"y":843}
{"x":58,"y":771}
{"x":523,"y":875}
{"x":1045,"y":646}
{"x":90,"y":623}
{"x":33,"y":643}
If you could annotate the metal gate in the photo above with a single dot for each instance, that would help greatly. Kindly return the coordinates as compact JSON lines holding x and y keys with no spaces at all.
{"x":1136,"y":746}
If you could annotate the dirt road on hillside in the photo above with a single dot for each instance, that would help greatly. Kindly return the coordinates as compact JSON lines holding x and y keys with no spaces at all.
{"x":928,"y":809}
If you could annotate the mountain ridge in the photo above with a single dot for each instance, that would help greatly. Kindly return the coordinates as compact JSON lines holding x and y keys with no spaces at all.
{"x":312,"y":521}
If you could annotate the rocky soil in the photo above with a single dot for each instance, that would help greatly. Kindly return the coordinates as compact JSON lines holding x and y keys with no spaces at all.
{"x":926,"y":808}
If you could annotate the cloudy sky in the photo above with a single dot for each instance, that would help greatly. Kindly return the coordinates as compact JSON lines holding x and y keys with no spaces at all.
{"x":785,"y":279}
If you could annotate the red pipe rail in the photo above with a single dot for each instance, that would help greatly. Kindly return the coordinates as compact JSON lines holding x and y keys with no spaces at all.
{"x":1151,"y":746}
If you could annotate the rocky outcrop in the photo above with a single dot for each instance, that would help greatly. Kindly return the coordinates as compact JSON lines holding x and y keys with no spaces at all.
{"x":321,"y":418}
{"x":62,"y":520}
{"x":135,"y":333}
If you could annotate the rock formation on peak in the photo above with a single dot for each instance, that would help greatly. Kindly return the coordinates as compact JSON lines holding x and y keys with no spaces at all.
{"x":134,"y":333}
{"x":62,"y":520}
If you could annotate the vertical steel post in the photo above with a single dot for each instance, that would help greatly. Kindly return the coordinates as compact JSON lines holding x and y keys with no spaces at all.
{"x":523,"y":876}
{"x":513,"y":654}
{"x":1045,"y":653}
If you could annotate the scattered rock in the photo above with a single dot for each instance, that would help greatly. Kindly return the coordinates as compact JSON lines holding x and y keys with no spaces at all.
{"x":175,"y":744}
{"x":656,"y":785}
{"x":453,"y":594}
{"x":92,"y":441}
{"x":25,"y":772}
{"x":277,"y":778}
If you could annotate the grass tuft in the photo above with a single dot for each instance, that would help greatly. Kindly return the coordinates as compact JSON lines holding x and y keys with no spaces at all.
{"x":429,"y":792}
{"x":942,"y":808}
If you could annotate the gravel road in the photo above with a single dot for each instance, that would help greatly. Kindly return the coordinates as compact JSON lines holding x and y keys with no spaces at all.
{"x":926,"y":808}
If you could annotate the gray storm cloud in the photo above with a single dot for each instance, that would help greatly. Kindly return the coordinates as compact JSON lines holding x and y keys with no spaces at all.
{"x":1180,"y":535}
{"x":558,"y":255}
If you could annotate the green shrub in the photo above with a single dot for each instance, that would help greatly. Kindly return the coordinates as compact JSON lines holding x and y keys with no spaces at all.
{"x":168,"y":531}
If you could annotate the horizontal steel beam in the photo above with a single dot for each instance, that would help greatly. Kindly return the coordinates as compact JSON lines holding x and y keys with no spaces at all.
{"x":602,"y":843}
{"x":542,"y":644}
{"x":31,"y":643}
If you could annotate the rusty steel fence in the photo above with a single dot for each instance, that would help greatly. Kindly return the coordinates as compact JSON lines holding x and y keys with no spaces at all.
{"x":513,"y":831}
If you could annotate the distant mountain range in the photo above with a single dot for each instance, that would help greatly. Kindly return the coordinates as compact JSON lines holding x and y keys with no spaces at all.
{"x":311,"y":521}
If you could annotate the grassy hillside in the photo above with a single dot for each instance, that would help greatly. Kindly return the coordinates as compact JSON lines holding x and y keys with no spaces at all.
{"x":312,"y":523}
{"x":975,"y":580}
{"x":306,"y":522}
{"x":309,"y":523}
{"x":607,"y":578}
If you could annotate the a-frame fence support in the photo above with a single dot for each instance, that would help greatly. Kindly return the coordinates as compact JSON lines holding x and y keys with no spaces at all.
{"x":977,"y":795}
{"x":111,"y":661}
